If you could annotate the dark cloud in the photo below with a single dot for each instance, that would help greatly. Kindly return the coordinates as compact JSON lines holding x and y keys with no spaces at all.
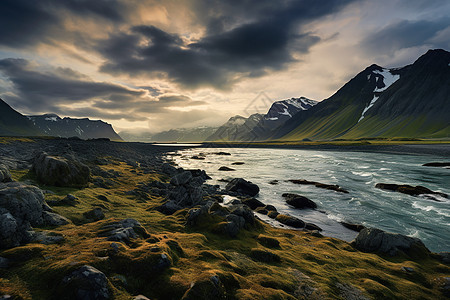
{"x":234,"y":47}
{"x":46,"y":89}
{"x":26,"y":23}
{"x":407,"y":34}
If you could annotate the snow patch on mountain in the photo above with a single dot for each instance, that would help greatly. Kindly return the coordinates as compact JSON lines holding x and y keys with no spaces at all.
{"x":388,"y":79}
{"x":372,"y":102}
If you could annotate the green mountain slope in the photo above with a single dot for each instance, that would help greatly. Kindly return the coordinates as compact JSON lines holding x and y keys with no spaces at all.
{"x":410,"y":102}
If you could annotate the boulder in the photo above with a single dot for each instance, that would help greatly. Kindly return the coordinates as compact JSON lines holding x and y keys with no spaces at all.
{"x":169,"y":208}
{"x":376,"y":240}
{"x":437,"y":164}
{"x":299,"y":201}
{"x":242,"y":186}
{"x":24,"y":202}
{"x":311,"y":226}
{"x":290,"y":221}
{"x":53,"y":219}
{"x":60,"y":171}
{"x":5,"y":176}
{"x":273,"y":214}
{"x":354,"y":227}
{"x":95,"y":214}
{"x":268,"y":241}
{"x":124,"y":231}
{"x":168,"y":169}
{"x":238,"y":163}
{"x":86,"y":283}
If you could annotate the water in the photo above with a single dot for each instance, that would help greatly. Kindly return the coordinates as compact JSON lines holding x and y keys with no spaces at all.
{"x":357,"y":172}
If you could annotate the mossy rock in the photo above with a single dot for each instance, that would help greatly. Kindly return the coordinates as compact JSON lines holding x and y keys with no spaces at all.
{"x":268,"y":241}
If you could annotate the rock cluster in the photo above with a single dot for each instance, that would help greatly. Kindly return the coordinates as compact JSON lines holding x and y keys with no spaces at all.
{"x":86,"y":283}
{"x":21,"y":207}
{"x":333,"y":187}
{"x":124,"y":231}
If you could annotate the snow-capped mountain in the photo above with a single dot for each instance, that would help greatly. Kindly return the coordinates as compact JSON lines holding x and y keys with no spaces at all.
{"x":53,"y":125}
{"x":408,"y":102}
{"x":236,"y":128}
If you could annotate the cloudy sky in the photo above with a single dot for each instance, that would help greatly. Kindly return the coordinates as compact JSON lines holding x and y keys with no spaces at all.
{"x":154,"y":64}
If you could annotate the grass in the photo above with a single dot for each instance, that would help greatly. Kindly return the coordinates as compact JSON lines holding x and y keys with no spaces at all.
{"x":308,"y":265}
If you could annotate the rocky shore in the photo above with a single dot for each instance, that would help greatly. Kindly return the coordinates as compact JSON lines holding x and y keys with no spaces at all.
{"x":104,"y":220}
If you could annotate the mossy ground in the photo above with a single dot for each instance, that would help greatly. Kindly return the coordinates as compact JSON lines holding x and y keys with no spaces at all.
{"x":309,"y":265}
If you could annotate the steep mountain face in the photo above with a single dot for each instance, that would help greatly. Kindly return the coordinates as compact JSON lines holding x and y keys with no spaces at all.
{"x":53,"y":125}
{"x":237,"y":128}
{"x":278,"y":114}
{"x":12,"y":123}
{"x":412,"y":101}
{"x":185,"y":135}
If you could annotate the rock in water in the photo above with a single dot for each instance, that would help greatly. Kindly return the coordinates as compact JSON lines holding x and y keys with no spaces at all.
{"x":5,"y":176}
{"x":225,"y":168}
{"x":376,"y":240}
{"x":299,"y":201}
{"x":408,"y":189}
{"x":290,"y":221}
{"x":60,"y":171}
{"x":86,"y":283}
{"x":242,"y":186}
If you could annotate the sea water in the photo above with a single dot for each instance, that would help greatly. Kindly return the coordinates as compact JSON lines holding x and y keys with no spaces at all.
{"x":357,"y":172}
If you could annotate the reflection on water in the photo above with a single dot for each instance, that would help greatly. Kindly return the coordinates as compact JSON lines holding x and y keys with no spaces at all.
{"x":357,"y":172}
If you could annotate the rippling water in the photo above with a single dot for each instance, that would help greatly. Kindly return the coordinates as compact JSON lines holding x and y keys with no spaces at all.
{"x":358,"y":172}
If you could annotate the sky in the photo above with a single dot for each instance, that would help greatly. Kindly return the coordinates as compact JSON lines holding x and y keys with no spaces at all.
{"x":154,"y":65}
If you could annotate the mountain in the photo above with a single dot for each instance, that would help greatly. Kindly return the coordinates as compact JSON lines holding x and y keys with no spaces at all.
{"x":12,"y":123}
{"x":237,"y":128}
{"x":53,"y":125}
{"x":185,"y":135}
{"x":278,"y":114}
{"x":408,"y":102}
{"x":259,"y":126}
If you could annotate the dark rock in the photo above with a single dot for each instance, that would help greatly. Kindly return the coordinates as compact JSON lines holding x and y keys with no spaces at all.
{"x":222,"y":153}
{"x":376,"y":240}
{"x":24,"y":202}
{"x":5,"y":175}
{"x":270,"y":208}
{"x":445,"y":286}
{"x":243,"y":211}
{"x":408,"y":189}
{"x":273,"y":182}
{"x":238,"y":163}
{"x":264,"y":256}
{"x":169,"y":169}
{"x":103,"y":198}
{"x":181,"y":179}
{"x":253,"y":203}
{"x":354,"y":227}
{"x":124,"y":231}
{"x":198,"y":157}
{"x":332,"y":187}
{"x":408,"y":269}
{"x":437,"y":164}
{"x":95,"y":214}
{"x":60,"y":171}
{"x":86,"y":283}
{"x":208,"y":287}
{"x":299,"y":201}
{"x":169,"y":208}
{"x":242,"y":186}
{"x":268,"y":241}
{"x":311,"y":226}
{"x":69,"y":200}
{"x":4,"y":263}
{"x":48,"y":238}
{"x":273,"y":214}
{"x":224,"y":168}
{"x":52,"y":219}
{"x":290,"y":221}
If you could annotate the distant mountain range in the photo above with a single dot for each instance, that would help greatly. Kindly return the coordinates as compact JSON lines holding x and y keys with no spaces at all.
{"x":181,"y":135}
{"x":13,"y":123}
